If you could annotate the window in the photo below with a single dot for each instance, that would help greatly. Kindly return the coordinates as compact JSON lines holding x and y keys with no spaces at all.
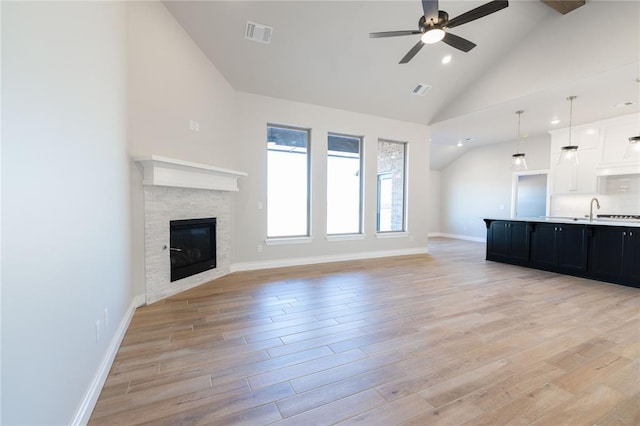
{"x":287,"y":182}
{"x":344,"y":184}
{"x":391,"y":186}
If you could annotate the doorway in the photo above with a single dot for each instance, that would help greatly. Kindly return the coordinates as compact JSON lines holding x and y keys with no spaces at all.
{"x":530,"y":194}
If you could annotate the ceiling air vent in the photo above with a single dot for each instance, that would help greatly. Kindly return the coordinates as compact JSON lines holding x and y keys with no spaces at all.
{"x":258,"y":32}
{"x":621,"y":105}
{"x":421,"y":89}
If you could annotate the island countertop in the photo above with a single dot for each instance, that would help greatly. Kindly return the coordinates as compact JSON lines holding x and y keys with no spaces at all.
{"x":628,"y":223}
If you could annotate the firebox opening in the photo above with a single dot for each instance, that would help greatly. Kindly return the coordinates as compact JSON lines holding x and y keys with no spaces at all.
{"x":192,"y":246}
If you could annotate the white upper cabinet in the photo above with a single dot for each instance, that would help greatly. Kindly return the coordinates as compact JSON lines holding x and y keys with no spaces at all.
{"x":601,"y":151}
{"x":616,"y":140}
{"x":580,"y":179}
{"x":586,"y":137}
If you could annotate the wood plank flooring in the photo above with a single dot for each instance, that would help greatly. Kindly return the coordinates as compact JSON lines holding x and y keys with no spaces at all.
{"x":446,"y":338}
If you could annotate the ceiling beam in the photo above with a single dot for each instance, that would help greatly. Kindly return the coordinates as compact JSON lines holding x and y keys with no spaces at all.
{"x":564,"y":6}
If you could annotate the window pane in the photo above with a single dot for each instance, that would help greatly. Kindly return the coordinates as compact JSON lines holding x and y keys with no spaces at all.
{"x":344,"y":185}
{"x":391,"y":178}
{"x":287,"y":182}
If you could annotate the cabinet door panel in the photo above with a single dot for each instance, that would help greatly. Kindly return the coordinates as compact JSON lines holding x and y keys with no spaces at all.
{"x":572,"y":248}
{"x":632,"y":256}
{"x":607,"y":249}
{"x":519,"y":240}
{"x":498,"y":239}
{"x":615,"y":142}
{"x":576,"y":180}
{"x":543,"y":246}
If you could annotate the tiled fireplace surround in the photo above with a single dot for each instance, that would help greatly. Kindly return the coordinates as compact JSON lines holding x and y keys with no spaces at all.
{"x":173,"y":190}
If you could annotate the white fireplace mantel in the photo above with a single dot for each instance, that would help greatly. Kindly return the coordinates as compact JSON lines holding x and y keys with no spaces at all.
{"x":163,"y":171}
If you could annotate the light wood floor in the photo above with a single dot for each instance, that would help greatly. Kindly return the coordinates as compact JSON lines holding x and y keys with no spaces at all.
{"x":446,"y":338}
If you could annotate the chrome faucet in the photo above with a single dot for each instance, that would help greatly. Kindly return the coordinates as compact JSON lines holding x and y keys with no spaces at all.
{"x":591,"y":208}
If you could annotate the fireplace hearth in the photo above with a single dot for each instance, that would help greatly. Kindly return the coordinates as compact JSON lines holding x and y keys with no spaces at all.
{"x":192,"y":247}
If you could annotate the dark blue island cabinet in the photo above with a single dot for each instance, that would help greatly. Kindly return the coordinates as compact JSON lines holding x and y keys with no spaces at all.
{"x":589,"y":250}
{"x":508,"y":242}
{"x":559,"y":247}
{"x":615,"y":253}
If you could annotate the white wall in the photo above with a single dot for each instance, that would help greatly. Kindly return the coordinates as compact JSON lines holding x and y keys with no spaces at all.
{"x":65,"y":207}
{"x":434,"y":195}
{"x":478,"y":185}
{"x":170,"y":83}
{"x":254,"y":114}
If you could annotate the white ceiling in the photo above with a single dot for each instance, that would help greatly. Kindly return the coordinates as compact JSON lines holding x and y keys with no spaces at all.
{"x":528,"y":57}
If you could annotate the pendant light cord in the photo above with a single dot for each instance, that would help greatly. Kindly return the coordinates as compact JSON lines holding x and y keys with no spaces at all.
{"x":570,"y":99}
{"x":518,"y":138}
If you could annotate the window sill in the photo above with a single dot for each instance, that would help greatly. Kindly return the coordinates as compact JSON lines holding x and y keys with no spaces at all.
{"x":285,"y":240}
{"x":382,"y":235}
{"x":346,"y":237}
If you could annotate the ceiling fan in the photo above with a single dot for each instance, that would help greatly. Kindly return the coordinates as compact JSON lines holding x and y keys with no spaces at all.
{"x":434,"y":22}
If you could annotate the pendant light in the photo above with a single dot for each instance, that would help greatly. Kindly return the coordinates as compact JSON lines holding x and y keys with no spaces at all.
{"x":569,"y":153}
{"x":633,"y":149}
{"x":518,"y":162}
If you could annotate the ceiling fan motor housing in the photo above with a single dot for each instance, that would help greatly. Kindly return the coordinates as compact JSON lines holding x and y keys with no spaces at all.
{"x":443,"y":18}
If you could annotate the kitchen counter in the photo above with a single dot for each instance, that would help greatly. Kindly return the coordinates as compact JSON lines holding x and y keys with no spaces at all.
{"x":602,"y":249}
{"x":628,"y":223}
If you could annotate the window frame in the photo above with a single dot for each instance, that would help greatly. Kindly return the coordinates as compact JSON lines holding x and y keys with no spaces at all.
{"x":284,"y":239}
{"x":361,"y":214}
{"x":405,"y":178}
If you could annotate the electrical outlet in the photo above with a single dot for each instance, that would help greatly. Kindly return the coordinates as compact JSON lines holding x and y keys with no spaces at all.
{"x":97,"y":331}
{"x":259,"y":247}
{"x":106,"y":318}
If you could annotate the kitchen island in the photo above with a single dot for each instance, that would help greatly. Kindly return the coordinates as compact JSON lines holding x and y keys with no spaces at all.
{"x":605,"y":250}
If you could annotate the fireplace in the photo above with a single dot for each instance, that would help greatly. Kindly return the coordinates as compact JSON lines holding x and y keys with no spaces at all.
{"x":192,"y":246}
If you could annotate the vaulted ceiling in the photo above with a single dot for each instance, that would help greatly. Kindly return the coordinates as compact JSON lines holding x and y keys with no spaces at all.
{"x":528,"y":56}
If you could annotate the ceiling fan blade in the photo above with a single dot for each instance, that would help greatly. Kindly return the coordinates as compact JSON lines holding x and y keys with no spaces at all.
{"x":415,"y":49}
{"x":393,"y":33}
{"x":458,"y":42}
{"x":430,"y":8}
{"x":477,"y":13}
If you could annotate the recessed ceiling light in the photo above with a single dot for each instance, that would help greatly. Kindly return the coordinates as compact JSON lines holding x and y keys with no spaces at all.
{"x":459,"y":143}
{"x":555,"y":121}
{"x":446,"y":59}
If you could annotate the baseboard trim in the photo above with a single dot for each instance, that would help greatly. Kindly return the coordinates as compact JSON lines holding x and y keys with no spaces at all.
{"x":88,"y":403}
{"x":458,"y":237}
{"x":299,"y":261}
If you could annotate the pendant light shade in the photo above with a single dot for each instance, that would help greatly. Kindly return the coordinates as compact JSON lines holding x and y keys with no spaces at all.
{"x":569,"y":153}
{"x":518,"y":162}
{"x":633,"y":148}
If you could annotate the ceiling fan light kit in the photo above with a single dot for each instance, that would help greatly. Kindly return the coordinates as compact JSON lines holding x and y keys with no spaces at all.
{"x":433,"y":26}
{"x":432,"y":36}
